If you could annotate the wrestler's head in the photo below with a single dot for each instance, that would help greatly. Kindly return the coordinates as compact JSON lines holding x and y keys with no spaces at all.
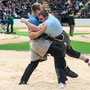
{"x":42,"y":15}
{"x":36,"y":8}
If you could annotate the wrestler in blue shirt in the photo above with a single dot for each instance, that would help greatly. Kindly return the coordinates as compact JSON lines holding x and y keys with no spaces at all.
{"x":34,"y":20}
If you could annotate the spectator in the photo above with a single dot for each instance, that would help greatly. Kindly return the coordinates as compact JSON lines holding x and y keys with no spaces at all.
{"x":71,"y":23}
{"x":18,"y":7}
{"x":4,"y":22}
{"x":11,"y":22}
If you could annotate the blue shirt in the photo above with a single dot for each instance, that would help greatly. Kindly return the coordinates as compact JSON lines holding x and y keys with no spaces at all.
{"x":54,"y":27}
{"x":4,"y":21}
{"x":34,"y":20}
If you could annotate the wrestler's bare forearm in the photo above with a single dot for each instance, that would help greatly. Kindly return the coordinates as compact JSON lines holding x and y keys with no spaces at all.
{"x":33,"y":35}
{"x":29,"y":25}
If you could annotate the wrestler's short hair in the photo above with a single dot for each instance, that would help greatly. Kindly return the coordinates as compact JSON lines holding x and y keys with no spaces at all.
{"x":36,"y":6}
{"x":43,"y":12}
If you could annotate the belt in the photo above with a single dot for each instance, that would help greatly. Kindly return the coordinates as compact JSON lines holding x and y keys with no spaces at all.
{"x":56,"y":39}
{"x":59,"y":38}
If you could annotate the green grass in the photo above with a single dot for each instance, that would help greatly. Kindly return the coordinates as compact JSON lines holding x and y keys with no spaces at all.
{"x":83,"y":47}
{"x":19,"y":33}
{"x":79,"y":34}
{"x":16,"y":46}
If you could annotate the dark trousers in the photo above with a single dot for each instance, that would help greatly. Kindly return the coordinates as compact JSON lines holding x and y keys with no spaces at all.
{"x":8,"y":27}
{"x":59,"y":63}
{"x":67,"y":49}
{"x":61,"y":75}
{"x":71,"y":30}
{"x":30,"y":68}
{"x":11,"y":28}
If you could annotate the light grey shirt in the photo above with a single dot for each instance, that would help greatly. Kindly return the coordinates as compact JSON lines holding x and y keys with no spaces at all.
{"x":54,"y":27}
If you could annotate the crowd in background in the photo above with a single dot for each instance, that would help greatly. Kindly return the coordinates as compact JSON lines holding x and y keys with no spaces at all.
{"x":85,"y":13}
{"x":22,"y":8}
{"x":63,"y":7}
{"x":19,"y":8}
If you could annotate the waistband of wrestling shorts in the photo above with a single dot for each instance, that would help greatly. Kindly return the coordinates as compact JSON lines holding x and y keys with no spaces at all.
{"x":61,"y":36}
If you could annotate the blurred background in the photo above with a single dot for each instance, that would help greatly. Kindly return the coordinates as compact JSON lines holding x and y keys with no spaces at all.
{"x":60,"y":8}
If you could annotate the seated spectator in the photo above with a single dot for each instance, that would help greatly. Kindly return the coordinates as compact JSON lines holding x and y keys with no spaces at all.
{"x":18,"y":7}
